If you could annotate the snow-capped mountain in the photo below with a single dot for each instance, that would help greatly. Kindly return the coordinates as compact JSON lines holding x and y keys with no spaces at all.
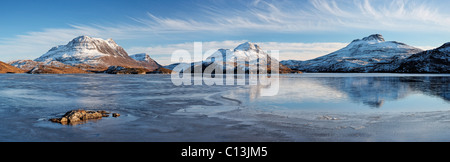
{"x":146,"y":61}
{"x":370,"y":54}
{"x":431,"y":61}
{"x":245,"y":57}
{"x":90,"y":51}
{"x":248,"y":53}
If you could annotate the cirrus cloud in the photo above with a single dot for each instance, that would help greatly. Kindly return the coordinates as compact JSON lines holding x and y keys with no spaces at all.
{"x":257,"y":17}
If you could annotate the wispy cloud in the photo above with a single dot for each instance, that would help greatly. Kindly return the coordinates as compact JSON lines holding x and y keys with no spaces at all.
{"x":258,"y":16}
{"x":316,"y":15}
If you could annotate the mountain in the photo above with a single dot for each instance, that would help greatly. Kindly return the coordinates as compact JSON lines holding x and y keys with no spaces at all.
{"x":250,"y":54}
{"x":146,"y":61}
{"x":90,"y":51}
{"x":6,"y":68}
{"x":369,"y":54}
{"x":85,"y":54}
{"x":431,"y":61}
{"x":247,"y":56}
{"x":247,"y":51}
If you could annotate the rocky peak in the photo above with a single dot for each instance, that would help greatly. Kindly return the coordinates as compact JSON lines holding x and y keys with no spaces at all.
{"x":86,"y":41}
{"x":112,"y":43}
{"x":80,"y":39}
{"x":247,"y":46}
{"x":83,"y":37}
{"x":374,"y":37}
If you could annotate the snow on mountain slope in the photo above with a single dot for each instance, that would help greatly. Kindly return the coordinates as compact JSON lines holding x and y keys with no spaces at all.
{"x":49,"y":67}
{"x":26,"y":65}
{"x":370,"y":54}
{"x":244,"y":58}
{"x":90,"y":51}
{"x":249,"y":54}
{"x":146,"y":61}
{"x":247,"y":51}
{"x":431,"y":61}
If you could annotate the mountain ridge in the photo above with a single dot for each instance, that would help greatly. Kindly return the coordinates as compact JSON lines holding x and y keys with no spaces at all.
{"x":246,"y":57}
{"x":370,"y":54}
{"x":430,"y":61}
{"x":367,"y":55}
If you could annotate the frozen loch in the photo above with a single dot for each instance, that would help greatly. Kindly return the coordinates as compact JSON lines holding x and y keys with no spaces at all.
{"x":308,"y":107}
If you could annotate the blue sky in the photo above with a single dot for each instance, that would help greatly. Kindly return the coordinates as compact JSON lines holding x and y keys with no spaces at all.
{"x":300,"y":29}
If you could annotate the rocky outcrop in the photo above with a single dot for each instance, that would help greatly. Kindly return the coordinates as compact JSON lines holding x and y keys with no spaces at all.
{"x":115,"y":115}
{"x":76,"y":117}
{"x":161,"y":70}
{"x":125,"y":70}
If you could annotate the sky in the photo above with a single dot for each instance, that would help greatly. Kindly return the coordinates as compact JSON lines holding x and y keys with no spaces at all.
{"x":299,"y":29}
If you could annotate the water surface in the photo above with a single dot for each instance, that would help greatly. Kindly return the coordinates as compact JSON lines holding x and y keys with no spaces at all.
{"x":308,"y":107}
{"x":354,"y":93}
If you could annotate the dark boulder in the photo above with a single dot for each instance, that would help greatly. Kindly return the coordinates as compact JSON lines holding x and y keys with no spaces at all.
{"x":76,"y":117}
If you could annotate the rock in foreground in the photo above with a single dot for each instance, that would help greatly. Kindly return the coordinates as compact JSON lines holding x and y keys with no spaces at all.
{"x":76,"y":117}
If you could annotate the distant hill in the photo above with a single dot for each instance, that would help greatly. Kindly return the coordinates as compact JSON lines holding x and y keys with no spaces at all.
{"x":6,"y":68}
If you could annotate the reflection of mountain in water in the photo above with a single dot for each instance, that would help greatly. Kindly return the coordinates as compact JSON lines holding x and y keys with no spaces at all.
{"x":433,"y":86}
{"x":374,"y":91}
